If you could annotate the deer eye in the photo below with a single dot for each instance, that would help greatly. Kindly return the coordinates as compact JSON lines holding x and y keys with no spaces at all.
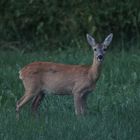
{"x":105,"y":49}
{"x":95,"y":49}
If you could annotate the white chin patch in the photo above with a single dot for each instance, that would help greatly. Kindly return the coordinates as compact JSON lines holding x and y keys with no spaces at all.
{"x":100,"y":60}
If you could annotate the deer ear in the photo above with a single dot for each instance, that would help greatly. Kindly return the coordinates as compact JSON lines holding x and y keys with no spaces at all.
{"x":91,"y":40}
{"x":108,"y":40}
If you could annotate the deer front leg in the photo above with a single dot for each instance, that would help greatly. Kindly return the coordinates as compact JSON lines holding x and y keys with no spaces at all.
{"x":80,"y":104}
{"x":77,"y":104}
{"x":83,"y":104}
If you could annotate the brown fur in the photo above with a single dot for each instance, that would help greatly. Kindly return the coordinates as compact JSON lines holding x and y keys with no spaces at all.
{"x":54,"y":78}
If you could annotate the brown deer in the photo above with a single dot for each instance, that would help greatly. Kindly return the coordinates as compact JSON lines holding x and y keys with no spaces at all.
{"x":41,"y":78}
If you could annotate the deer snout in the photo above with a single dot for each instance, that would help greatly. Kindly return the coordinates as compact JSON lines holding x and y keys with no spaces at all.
{"x":100,"y":57}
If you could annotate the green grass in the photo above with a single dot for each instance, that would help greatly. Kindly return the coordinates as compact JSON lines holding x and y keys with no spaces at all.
{"x":114,"y":108}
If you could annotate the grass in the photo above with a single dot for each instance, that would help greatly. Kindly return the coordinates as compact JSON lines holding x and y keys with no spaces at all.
{"x":114,"y":107}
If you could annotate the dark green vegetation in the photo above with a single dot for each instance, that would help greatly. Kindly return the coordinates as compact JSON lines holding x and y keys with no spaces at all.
{"x":114,"y":108}
{"x":60,"y":23}
{"x":27,"y":26}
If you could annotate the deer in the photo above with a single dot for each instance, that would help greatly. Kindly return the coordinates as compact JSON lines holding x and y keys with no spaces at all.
{"x":44,"y":78}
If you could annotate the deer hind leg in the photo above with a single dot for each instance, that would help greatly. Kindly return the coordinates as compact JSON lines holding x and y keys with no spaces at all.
{"x":20,"y":99}
{"x":23,"y":100}
{"x":37,"y":100}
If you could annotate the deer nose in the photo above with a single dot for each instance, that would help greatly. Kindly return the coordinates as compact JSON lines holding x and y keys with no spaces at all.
{"x":100,"y":57}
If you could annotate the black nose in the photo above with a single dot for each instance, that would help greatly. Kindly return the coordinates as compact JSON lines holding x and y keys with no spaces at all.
{"x":100,"y":56}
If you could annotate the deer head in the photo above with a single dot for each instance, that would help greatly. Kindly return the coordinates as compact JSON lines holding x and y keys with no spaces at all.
{"x":99,"y":48}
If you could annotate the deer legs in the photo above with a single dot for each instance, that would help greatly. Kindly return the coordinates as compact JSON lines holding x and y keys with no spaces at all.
{"x":37,"y":101}
{"x":26,"y":98}
{"x":23,"y":100}
{"x":80,"y":104}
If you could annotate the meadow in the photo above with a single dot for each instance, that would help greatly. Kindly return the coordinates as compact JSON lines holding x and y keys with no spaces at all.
{"x":113,"y":108}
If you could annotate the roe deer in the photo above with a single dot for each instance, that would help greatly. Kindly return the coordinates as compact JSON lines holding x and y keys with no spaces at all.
{"x":60,"y":79}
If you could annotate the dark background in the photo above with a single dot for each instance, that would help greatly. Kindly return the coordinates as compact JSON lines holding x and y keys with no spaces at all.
{"x":29,"y":24}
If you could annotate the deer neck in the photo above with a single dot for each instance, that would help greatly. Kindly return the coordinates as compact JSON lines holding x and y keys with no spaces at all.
{"x":95,"y":69}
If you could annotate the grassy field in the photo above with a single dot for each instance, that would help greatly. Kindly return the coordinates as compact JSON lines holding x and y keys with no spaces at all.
{"x":114,"y":108}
